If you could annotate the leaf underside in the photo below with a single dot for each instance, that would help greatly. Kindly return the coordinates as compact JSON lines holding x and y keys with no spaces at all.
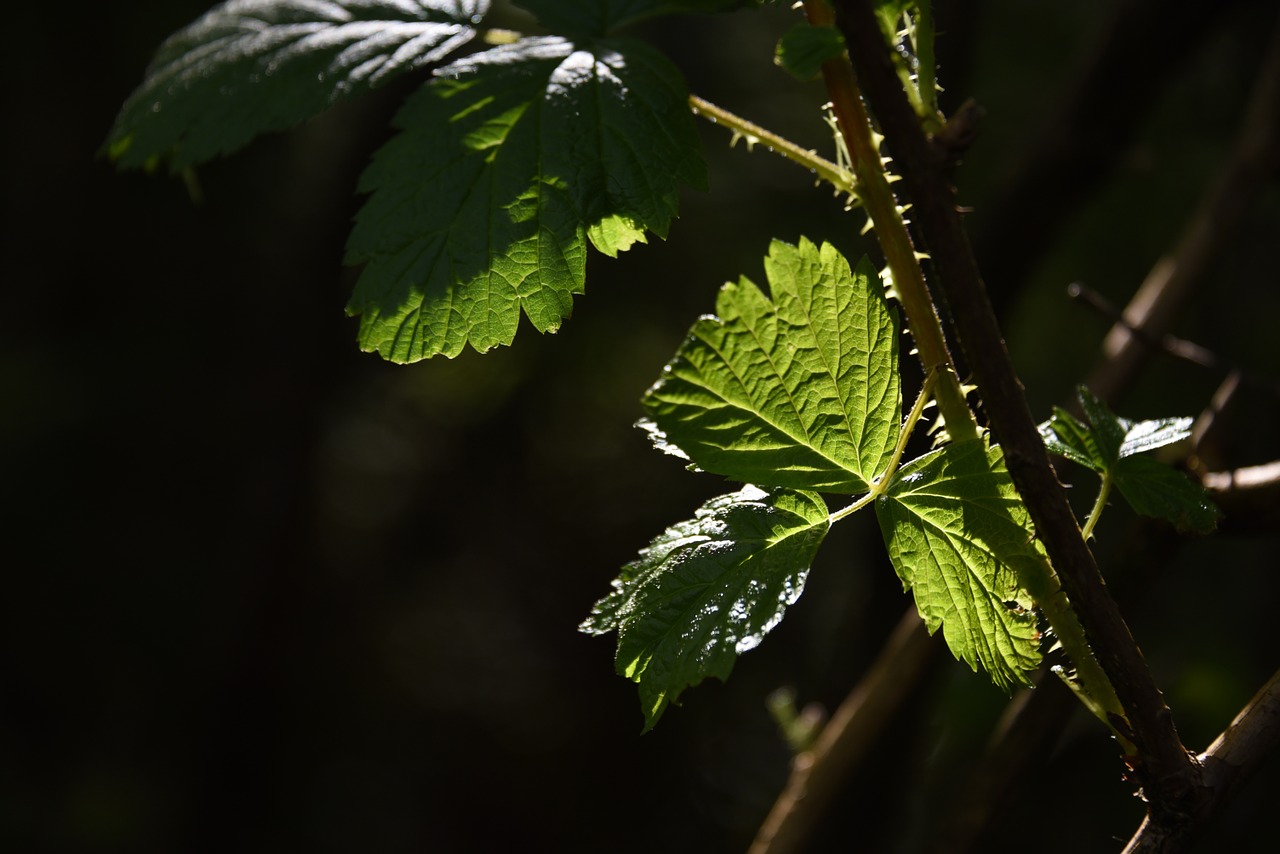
{"x":799,"y":390}
{"x":252,"y":66}
{"x":506,"y":165}
{"x":708,"y":589}
{"x":959,"y":539}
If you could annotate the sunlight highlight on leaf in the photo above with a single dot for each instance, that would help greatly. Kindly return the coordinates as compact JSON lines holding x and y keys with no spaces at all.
{"x":801,"y":390}
{"x":960,"y":539}
{"x":507,"y":165}
{"x":709,"y":589}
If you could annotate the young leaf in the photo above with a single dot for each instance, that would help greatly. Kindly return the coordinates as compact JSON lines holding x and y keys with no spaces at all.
{"x":959,"y":538}
{"x":1153,"y":489}
{"x":799,"y":391}
{"x":1066,"y":436}
{"x":598,"y":17}
{"x":708,"y":589}
{"x":1109,"y":445}
{"x":803,"y":48}
{"x":250,"y":66}
{"x":1143,"y":436}
{"x":507,"y":163}
{"x":1108,"y":429}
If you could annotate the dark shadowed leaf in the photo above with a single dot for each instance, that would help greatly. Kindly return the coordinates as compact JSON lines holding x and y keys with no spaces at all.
{"x":251,"y":66}
{"x":1153,"y":489}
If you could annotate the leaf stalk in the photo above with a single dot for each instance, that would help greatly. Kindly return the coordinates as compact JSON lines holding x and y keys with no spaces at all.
{"x":842,"y":179}
{"x":1096,"y":513}
{"x":908,"y":426}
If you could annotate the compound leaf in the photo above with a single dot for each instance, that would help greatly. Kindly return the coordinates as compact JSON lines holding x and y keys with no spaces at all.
{"x":960,"y":538}
{"x":507,"y":164}
{"x":1110,"y":444}
{"x":709,"y":589}
{"x":1153,"y":489}
{"x":800,"y":390}
{"x":251,"y":66}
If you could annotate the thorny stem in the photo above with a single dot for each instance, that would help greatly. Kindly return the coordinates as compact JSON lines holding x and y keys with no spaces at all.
{"x":926,"y":71}
{"x":895,"y":240}
{"x":885,"y":213}
{"x":1169,"y":775}
{"x":841,"y":179}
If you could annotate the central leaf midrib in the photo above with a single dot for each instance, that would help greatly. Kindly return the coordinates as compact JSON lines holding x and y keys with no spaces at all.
{"x":831,"y":375}
{"x":805,"y":440}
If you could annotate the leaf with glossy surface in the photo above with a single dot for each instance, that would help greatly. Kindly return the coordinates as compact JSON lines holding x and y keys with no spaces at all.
{"x":1066,"y":436}
{"x":959,"y":538}
{"x":507,"y":164}
{"x":709,"y":589}
{"x":800,"y":390}
{"x":251,"y":66}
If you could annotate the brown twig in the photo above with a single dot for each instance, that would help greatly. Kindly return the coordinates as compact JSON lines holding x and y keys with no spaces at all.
{"x":817,"y":773}
{"x":1097,"y":112}
{"x":1178,"y":348}
{"x":1254,"y":157}
{"x":1241,"y":490}
{"x":1170,"y":776}
{"x":1246,"y":479}
{"x":1228,"y":763}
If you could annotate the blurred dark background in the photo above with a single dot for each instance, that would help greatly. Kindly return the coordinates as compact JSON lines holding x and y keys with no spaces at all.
{"x":265,"y":592}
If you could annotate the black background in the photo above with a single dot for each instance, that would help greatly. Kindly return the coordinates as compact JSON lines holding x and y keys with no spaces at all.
{"x":265,"y":592}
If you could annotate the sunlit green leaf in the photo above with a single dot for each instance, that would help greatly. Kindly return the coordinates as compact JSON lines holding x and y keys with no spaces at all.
{"x":960,"y":538}
{"x":800,"y":390}
{"x":508,"y":163}
{"x":803,"y":48}
{"x":250,"y":66}
{"x":708,"y":589}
